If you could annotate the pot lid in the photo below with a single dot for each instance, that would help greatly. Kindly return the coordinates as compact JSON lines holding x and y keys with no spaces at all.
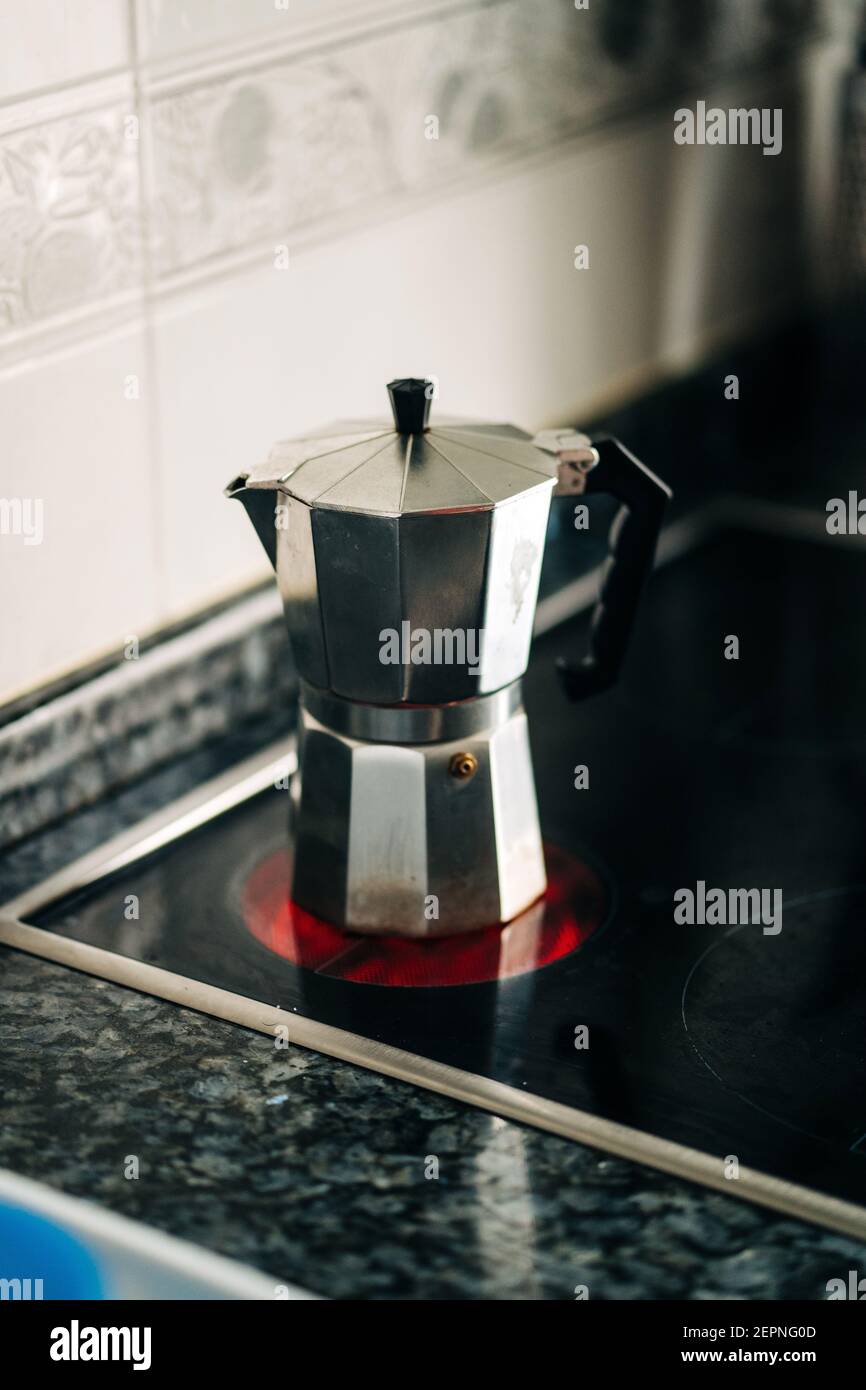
{"x":393,"y":467}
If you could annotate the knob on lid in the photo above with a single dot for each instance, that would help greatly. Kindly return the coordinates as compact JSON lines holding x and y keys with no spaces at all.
{"x":410,"y":403}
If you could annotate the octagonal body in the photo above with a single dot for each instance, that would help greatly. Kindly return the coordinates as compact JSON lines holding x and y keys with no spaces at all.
{"x":387,"y":839}
{"x":421,"y":608}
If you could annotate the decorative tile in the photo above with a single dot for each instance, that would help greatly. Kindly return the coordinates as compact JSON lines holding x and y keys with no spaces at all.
{"x":284,"y":125}
{"x":69,"y":215}
{"x":287,"y":146}
{"x":239,"y":161}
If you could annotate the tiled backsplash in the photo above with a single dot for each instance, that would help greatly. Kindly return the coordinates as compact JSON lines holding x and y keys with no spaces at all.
{"x":160,"y":163}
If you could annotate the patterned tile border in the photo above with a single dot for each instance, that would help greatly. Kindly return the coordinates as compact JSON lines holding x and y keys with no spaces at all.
{"x":287,"y":146}
{"x":286,"y":143}
{"x":70,"y":234}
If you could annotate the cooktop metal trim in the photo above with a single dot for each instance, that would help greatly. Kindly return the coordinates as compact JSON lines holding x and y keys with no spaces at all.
{"x":195,"y":808}
{"x":231,"y":789}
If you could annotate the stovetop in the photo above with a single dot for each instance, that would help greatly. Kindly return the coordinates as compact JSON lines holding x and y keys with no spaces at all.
{"x":746,"y":773}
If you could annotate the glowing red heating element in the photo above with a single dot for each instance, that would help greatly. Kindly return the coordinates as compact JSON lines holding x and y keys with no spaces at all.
{"x":574,"y":906}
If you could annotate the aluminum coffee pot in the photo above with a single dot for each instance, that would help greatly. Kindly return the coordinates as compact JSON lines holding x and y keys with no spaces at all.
{"x":408,"y":558}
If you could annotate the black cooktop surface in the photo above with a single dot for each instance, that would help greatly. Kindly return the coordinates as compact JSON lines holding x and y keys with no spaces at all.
{"x":746,"y":773}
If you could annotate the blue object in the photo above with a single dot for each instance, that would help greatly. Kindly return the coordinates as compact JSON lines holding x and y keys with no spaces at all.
{"x":33,"y":1248}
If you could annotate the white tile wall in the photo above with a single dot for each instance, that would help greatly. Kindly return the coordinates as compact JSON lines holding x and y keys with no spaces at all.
{"x":167,"y":29}
{"x":49,"y":43}
{"x":72,"y":440}
{"x":475,"y":285}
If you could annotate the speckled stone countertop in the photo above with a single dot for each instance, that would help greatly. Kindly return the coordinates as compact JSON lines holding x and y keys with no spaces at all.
{"x":313,"y":1170}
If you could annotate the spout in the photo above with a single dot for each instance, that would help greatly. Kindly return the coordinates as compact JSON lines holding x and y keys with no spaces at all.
{"x":259,"y":503}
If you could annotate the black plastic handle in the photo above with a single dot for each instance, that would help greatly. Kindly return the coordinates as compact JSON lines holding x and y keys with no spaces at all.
{"x":632,"y":542}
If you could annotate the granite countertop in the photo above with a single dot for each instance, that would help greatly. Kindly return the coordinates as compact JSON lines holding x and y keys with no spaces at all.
{"x":312,"y":1170}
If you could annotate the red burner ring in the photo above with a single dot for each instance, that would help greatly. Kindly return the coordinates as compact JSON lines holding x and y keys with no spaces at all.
{"x":574,"y":906}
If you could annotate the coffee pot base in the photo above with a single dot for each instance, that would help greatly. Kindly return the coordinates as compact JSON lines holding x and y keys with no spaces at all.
{"x":417,"y":839}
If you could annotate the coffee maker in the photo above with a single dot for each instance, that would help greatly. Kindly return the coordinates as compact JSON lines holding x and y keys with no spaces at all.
{"x":408,"y":557}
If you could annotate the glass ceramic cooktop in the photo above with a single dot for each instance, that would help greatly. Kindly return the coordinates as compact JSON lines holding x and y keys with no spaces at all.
{"x":735,"y":1039}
